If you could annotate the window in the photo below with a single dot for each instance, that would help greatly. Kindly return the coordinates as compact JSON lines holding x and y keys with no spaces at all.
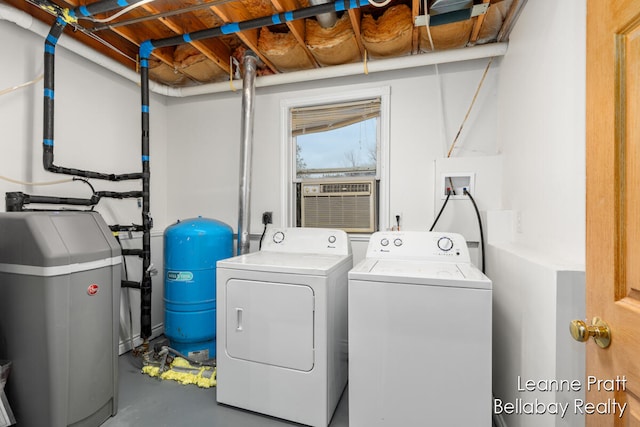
{"x":336,"y":140}
{"x":337,"y":146}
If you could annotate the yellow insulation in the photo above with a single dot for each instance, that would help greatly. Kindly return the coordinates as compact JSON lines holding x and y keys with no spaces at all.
{"x":390,"y":35}
{"x":448,"y":36}
{"x":335,"y":45}
{"x":190,"y":61}
{"x":283,"y":50}
{"x":189,"y":374}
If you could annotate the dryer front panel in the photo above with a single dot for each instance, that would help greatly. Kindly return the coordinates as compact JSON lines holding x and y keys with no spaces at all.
{"x":270,"y":323}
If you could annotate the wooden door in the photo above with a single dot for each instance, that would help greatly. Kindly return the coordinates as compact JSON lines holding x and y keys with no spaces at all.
{"x":613,"y":208}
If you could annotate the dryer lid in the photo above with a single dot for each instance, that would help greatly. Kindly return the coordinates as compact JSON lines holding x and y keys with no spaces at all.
{"x":464,"y":275}
{"x":309,"y":264}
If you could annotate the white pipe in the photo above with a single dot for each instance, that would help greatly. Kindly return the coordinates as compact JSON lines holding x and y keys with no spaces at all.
{"x":25,"y":21}
{"x":412,"y":61}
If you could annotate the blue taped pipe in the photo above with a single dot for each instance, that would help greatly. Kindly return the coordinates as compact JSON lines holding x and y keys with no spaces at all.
{"x":48,"y":143}
{"x":234,"y":27}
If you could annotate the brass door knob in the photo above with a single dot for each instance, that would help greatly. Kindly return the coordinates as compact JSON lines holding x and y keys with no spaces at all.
{"x":598,"y":329}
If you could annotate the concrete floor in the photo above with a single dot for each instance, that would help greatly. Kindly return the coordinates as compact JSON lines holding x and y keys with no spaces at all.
{"x":144,"y":401}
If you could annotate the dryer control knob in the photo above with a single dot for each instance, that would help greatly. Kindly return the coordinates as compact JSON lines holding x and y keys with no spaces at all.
{"x":445,"y":244}
{"x":397,"y":242}
{"x":278,"y":237}
{"x":384,"y":242}
{"x":332,"y":239}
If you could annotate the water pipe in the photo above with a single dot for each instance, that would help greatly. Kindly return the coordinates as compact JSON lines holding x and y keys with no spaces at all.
{"x":65,"y":17}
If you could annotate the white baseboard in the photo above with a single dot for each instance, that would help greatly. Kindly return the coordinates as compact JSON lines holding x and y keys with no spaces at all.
{"x":125,"y":345}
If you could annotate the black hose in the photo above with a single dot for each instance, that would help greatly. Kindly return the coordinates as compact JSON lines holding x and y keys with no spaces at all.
{"x":441,"y":210}
{"x":479,"y":225}
{"x":262,"y":237}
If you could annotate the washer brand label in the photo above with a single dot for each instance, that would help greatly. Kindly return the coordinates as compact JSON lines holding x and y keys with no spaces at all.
{"x":180,"y":276}
{"x":93,"y":289}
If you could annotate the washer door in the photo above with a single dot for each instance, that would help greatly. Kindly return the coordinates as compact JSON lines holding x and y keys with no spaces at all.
{"x":270,"y":323}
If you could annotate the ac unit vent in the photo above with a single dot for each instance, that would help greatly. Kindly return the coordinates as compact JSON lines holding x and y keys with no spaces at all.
{"x":351,"y":187}
{"x":349,"y":206}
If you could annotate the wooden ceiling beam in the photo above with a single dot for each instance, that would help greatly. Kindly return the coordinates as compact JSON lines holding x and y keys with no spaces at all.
{"x":236,"y":12}
{"x":214,"y":49}
{"x":477,"y":26}
{"x":355,"y":16}
{"x":415,"y":36}
{"x":297,"y":27}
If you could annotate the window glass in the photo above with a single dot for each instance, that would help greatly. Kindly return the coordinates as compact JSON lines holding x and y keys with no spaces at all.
{"x":343,"y":152}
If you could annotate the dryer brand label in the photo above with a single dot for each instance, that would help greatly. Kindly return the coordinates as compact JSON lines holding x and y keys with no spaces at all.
{"x":92,"y":289}
{"x":180,"y":276}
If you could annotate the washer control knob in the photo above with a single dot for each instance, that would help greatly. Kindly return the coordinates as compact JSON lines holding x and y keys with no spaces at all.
{"x":445,"y":244}
{"x":397,"y":242}
{"x":384,"y":242}
{"x":278,"y":237}
{"x":332,"y":239}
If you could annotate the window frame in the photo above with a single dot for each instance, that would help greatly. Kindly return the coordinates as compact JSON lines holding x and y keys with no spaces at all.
{"x":288,"y":149}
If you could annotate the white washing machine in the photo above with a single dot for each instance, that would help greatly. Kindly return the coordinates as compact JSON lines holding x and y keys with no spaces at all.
{"x":419,"y":334}
{"x":282,"y":325}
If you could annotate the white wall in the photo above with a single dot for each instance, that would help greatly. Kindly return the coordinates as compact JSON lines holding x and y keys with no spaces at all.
{"x":537,"y":263}
{"x":204,"y":140}
{"x":97,"y":127}
{"x":542,"y":126}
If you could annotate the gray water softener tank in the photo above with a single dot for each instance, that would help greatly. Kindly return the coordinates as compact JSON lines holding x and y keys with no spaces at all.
{"x":59,"y":316}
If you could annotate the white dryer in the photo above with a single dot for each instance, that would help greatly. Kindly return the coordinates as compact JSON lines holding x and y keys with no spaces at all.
{"x":419,"y":334}
{"x":282,"y":325}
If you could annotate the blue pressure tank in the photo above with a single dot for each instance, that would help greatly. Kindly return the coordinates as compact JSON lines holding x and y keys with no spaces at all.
{"x":191,"y":249}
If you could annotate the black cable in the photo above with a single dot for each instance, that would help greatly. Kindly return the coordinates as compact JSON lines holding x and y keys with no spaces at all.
{"x":441,"y":209}
{"x":479,"y":225}
{"x":262,"y":237}
{"x":93,"y":190}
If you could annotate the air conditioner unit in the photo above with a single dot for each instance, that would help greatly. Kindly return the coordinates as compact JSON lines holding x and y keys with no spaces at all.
{"x":347,"y":205}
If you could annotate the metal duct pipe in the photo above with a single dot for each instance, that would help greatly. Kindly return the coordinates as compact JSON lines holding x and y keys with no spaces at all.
{"x":248,"y":94}
{"x":326,"y":20}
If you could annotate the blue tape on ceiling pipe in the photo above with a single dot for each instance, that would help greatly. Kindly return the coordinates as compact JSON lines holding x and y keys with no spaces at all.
{"x":145,"y":158}
{"x":186,"y":37}
{"x":49,"y":48}
{"x":48,"y":93}
{"x":144,"y":63}
{"x":84,"y":11}
{"x":123,"y":3}
{"x":230,"y":28}
{"x":145,"y":108}
{"x":276,"y":19}
{"x":48,"y":142}
{"x":61,"y":21}
{"x":146,"y":48}
{"x":288,"y":16}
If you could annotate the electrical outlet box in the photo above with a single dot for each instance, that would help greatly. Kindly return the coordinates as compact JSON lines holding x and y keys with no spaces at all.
{"x":267,"y":218}
{"x":457,"y":183}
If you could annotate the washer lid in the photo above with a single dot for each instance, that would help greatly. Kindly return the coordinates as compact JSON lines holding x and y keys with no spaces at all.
{"x":278,"y":262}
{"x":413,"y":272}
